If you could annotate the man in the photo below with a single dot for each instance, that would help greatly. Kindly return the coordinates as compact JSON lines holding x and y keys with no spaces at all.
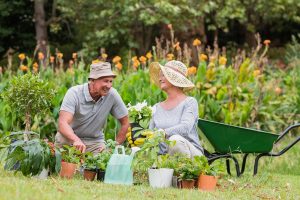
{"x":85,"y":109}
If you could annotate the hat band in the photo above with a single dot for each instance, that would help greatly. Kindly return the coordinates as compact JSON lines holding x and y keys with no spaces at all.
{"x":173,"y":68}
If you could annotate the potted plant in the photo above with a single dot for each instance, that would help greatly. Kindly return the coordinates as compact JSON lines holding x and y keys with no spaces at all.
{"x":34,"y":157}
{"x":158,"y":166}
{"x":209,"y":174}
{"x":188,"y":171}
{"x":103,"y":159}
{"x":162,"y":174}
{"x":90,"y":166}
{"x":70,"y":159}
{"x":28,"y":96}
{"x":139,"y":118}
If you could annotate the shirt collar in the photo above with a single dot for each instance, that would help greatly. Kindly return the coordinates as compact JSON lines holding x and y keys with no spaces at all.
{"x":86,"y":93}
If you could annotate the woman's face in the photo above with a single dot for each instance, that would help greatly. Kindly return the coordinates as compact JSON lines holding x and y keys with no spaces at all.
{"x":164,"y":83}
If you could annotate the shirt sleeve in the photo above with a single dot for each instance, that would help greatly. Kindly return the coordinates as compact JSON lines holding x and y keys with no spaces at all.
{"x":152,"y":123}
{"x":69,"y":101}
{"x":119,"y":109}
{"x":187,"y":121}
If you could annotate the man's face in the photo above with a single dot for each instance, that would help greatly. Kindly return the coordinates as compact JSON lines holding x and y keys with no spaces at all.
{"x":101,"y":86}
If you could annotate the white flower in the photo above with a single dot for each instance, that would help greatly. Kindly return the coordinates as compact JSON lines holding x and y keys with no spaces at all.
{"x":138,"y":111}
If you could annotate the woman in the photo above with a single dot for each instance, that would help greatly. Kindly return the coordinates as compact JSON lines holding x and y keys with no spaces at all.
{"x":178,"y":114}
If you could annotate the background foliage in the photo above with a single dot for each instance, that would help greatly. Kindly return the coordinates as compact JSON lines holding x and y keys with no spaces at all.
{"x":120,"y":26}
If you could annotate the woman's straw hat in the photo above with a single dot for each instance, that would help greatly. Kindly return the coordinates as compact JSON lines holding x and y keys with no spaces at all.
{"x":174,"y":71}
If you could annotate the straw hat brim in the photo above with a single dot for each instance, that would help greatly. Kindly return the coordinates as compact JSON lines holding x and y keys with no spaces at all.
{"x":175,"y":78}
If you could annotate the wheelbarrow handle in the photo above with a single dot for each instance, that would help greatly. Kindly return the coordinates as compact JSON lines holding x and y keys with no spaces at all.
{"x":286,"y":131}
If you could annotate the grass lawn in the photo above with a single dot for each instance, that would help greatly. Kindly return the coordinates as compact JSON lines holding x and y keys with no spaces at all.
{"x":278,"y":178}
{"x":264,"y":186}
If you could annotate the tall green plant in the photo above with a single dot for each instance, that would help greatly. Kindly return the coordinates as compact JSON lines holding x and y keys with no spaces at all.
{"x":28,"y":95}
{"x":148,"y":155}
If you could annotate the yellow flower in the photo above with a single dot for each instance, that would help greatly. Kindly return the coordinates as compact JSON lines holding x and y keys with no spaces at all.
{"x":119,"y":66}
{"x":256,"y":72}
{"x":211,"y":64}
{"x":52,"y":58}
{"x":21,"y":56}
{"x":116,"y":59}
{"x":203,"y":57}
{"x":177,"y":46}
{"x":136,"y":64}
{"x":212,"y":91}
{"x":104,"y":56}
{"x":267,"y":42}
{"x":41,"y":56}
{"x":74,"y":55}
{"x":24,"y":68}
{"x":170,"y":56}
{"x":212,"y":58}
{"x":210,"y":74}
{"x":35,"y":65}
{"x":149,"y":55}
{"x":222,"y":60}
{"x":134,"y":58}
{"x":196,"y":42}
{"x":96,"y":61}
{"x":35,"y":69}
{"x":143,"y":59}
{"x":192,"y":70}
{"x":60,"y":55}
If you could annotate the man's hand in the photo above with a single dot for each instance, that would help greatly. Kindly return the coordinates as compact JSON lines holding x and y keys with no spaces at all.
{"x":79,"y":145}
{"x":102,"y":147}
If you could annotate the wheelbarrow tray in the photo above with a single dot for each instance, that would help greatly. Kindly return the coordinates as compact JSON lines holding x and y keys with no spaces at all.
{"x":233,"y":139}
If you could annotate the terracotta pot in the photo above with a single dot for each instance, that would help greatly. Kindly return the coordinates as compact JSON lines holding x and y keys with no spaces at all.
{"x":206,"y":182}
{"x":187,"y":184}
{"x":100,"y":175}
{"x":89,"y":175}
{"x":67,"y":170}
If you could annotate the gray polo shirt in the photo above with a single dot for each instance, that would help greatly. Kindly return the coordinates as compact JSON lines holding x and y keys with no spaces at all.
{"x":89,"y":117}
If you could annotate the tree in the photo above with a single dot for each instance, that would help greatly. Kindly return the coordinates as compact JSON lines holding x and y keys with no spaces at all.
{"x":129,"y":24}
{"x":28,"y":95}
{"x":19,"y":35}
{"x":41,"y":25}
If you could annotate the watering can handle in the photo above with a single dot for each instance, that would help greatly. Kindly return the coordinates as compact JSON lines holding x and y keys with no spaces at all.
{"x":117,"y":148}
{"x":134,"y":150}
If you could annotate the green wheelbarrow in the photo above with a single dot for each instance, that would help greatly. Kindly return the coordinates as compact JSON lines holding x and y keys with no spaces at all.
{"x":228,"y":140}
